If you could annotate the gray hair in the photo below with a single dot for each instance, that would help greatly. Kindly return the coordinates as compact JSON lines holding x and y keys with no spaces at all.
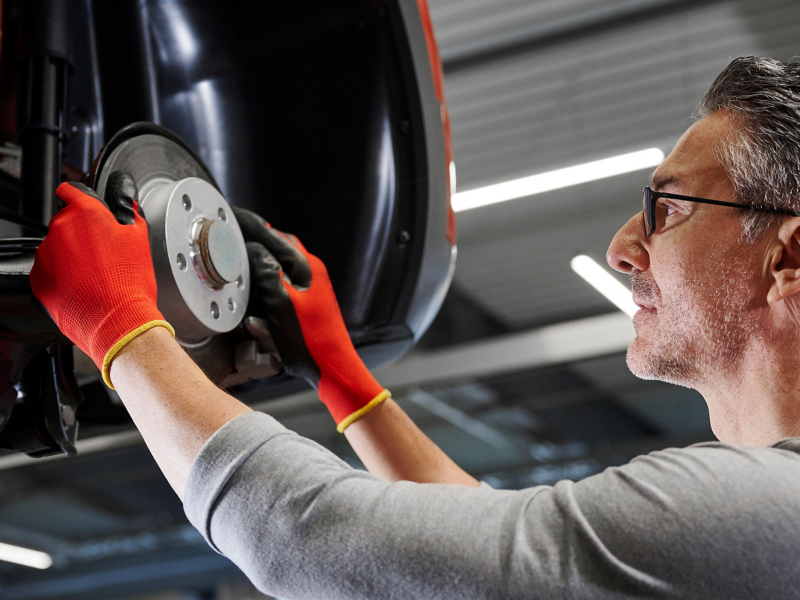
{"x":763,"y":157}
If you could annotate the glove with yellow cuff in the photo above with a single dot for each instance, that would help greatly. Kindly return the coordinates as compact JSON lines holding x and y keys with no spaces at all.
{"x":291,"y":291}
{"x":93,"y":271}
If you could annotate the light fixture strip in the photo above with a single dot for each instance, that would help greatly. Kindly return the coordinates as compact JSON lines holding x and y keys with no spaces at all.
{"x":553,"y":180}
{"x":25,"y":556}
{"x":605,"y":283}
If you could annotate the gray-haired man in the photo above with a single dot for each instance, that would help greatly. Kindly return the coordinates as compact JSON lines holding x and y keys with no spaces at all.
{"x":718,"y":288}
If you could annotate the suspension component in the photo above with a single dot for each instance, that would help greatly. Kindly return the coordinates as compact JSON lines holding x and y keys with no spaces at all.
{"x":44,"y":66}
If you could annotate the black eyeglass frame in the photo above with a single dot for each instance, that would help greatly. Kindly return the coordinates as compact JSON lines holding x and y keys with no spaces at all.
{"x":649,"y":198}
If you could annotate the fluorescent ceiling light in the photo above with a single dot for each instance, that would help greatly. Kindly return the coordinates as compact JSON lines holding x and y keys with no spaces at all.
{"x":605,"y":283}
{"x":25,"y":556}
{"x":545,"y":182}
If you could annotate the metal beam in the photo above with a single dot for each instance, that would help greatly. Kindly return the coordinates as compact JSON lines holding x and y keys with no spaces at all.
{"x":555,"y":344}
{"x":203,"y":568}
{"x":88,"y":446}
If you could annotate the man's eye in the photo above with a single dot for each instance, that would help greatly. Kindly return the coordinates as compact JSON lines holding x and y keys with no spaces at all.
{"x":668,"y":208}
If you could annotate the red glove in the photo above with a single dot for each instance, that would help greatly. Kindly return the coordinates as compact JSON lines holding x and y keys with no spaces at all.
{"x":93,"y":272}
{"x":293,"y":294}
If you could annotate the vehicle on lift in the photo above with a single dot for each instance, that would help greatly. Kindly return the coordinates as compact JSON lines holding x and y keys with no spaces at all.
{"x":327,"y":118}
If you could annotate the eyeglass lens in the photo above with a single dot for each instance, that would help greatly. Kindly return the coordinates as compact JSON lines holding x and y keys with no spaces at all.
{"x":648,"y":212}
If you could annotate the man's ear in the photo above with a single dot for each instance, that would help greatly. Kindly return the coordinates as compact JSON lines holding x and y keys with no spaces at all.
{"x":785,"y":262}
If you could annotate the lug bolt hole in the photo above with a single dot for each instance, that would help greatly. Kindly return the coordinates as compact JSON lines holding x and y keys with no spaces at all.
{"x":231,"y":305}
{"x":187,"y":202}
{"x":215,"y":310}
{"x":240,"y":283}
{"x":181,"y":262}
{"x":221,"y":214}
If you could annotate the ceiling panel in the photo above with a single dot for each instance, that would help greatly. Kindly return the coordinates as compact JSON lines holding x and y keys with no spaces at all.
{"x":467,"y":27}
{"x":604,"y":93}
{"x":601,"y":92}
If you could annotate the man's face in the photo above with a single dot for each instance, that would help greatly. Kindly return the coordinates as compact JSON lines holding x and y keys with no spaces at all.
{"x":696,"y":282}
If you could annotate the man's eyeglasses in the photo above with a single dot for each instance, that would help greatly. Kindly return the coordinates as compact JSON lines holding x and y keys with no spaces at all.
{"x":650,"y":198}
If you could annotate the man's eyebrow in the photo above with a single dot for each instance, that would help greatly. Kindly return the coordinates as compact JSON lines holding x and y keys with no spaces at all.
{"x":659,"y":183}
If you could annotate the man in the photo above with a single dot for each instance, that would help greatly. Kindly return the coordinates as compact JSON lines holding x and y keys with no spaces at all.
{"x":719,"y":291}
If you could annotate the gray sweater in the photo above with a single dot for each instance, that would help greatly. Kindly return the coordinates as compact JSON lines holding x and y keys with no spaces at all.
{"x":711,"y":521}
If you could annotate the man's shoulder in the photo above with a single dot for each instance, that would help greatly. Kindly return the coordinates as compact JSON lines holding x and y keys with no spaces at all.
{"x":724,"y":457}
{"x":719,"y":464}
{"x":703,"y":477}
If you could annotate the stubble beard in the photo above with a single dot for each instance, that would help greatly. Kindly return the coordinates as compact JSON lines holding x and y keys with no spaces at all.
{"x":698,"y":332}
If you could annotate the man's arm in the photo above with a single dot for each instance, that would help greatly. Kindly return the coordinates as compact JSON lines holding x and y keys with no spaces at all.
{"x":392,"y":447}
{"x":302,"y":524}
{"x":171,"y":401}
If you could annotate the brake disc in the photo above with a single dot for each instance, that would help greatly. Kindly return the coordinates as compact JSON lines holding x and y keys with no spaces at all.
{"x":197,"y":248}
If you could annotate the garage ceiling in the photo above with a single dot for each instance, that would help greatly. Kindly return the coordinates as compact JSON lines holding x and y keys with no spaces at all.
{"x":534,"y":86}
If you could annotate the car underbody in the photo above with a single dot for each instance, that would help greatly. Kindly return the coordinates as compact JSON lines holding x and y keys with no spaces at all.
{"x":325,"y":118}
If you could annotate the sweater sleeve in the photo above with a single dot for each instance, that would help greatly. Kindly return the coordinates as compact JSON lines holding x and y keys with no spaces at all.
{"x":302,"y":524}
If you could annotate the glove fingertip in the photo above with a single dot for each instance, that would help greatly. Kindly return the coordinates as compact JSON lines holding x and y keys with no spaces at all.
{"x":71,"y":192}
{"x":64,"y":190}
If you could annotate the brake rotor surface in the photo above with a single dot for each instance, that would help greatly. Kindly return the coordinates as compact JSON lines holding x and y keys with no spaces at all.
{"x":197,"y":247}
{"x":150,"y":154}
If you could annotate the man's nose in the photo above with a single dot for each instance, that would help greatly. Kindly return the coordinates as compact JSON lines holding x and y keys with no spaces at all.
{"x":627,"y":251}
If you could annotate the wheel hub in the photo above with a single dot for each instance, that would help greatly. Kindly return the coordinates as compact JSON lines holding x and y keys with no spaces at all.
{"x":196,"y":245}
{"x":199,"y":257}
